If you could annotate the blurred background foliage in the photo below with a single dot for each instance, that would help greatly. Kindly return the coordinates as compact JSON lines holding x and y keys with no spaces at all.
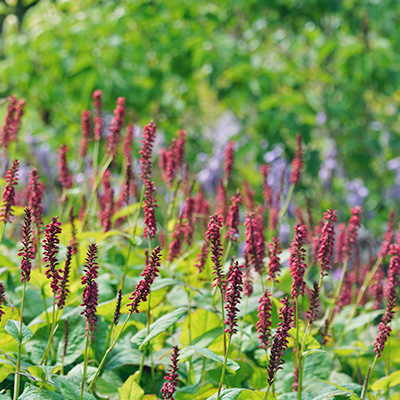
{"x":261,"y":71}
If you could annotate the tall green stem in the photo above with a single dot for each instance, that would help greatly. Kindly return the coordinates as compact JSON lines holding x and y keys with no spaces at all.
{"x":365,"y":386}
{"x":17,"y":380}
{"x":221,"y":382}
{"x":85,"y":363}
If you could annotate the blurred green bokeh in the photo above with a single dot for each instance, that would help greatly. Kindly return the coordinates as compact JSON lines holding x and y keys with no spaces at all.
{"x":329,"y":70}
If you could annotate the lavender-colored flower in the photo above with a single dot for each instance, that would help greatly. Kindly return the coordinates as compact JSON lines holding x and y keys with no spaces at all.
{"x":296,"y":261}
{"x":149,"y":274}
{"x":64,"y":174}
{"x":171,"y":383}
{"x":9,"y":193}
{"x":90,"y":292}
{"x":213,"y":236}
{"x":2,"y":298}
{"x":117,"y":311}
{"x":149,"y":206}
{"x":232,"y":222}
{"x":311,"y":314}
{"x":264,"y":319}
{"x":327,"y":242}
{"x":50,"y":245}
{"x":280,"y":342}
{"x":117,"y":123}
{"x":146,"y":151}
{"x":26,"y":250}
{"x":274,"y":265}
{"x":232,"y":297}
{"x":63,"y":287}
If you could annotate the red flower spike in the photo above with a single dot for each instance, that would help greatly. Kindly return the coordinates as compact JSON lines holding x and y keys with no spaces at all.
{"x":233,"y":297}
{"x":98,"y":120}
{"x":149,"y":206}
{"x":202,"y":257}
{"x":73,"y":242}
{"x":64,"y":174}
{"x":90,"y":292}
{"x":296,"y":260}
{"x":388,"y":237}
{"x":2,"y":298}
{"x":188,"y":215}
{"x":63,"y":288}
{"x":229,"y":161}
{"x":341,"y":244}
{"x":297,"y":163}
{"x":248,"y":197}
{"x":146,"y":151}
{"x":114,"y":138}
{"x":117,"y":311}
{"x":35,"y":198}
{"x":178,"y":233}
{"x":171,"y":383}
{"x":149,"y":273}
{"x":86,"y":127}
{"x":352,"y":229}
{"x":232,"y":222}
{"x":274,"y":265}
{"x":213,"y":236}
{"x":26,"y":250}
{"x":128,"y":143}
{"x":327,"y":242}
{"x":311,"y":314}
{"x":9,"y":193}
{"x":264,"y":319}
{"x":255,"y":243}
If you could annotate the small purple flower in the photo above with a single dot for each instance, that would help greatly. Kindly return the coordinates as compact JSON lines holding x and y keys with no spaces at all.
{"x":26,"y":251}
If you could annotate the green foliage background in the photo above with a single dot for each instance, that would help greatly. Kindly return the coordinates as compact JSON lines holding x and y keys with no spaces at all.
{"x":277,"y":65}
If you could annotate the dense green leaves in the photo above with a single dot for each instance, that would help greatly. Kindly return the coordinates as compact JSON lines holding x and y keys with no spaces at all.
{"x":12,"y":327}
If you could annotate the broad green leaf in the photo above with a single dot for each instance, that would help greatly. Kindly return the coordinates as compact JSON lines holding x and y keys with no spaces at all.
{"x":12,"y":327}
{"x":43,"y":372}
{"x":6,"y":396}
{"x":227,"y":394}
{"x":201,"y":322}
{"x":123,"y":212}
{"x":310,"y":343}
{"x":159,"y":326}
{"x":31,"y":392}
{"x":131,"y":390}
{"x":363,"y":320}
{"x":5,"y":370}
{"x":72,"y":392}
{"x":254,"y":395}
{"x":388,"y":381}
{"x":212,"y":356}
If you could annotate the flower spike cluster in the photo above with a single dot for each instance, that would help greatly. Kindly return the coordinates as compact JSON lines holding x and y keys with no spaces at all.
{"x":233,"y":297}
{"x":388,"y":237}
{"x":64,"y":174}
{"x":35,"y":198}
{"x":98,"y":120}
{"x":91,"y":291}
{"x":117,"y":311}
{"x":114,"y":138}
{"x":149,"y":208}
{"x":50,"y":246}
{"x":312,"y":311}
{"x":280,"y":342}
{"x":63,"y":288}
{"x":232,"y":222}
{"x":327,"y":242}
{"x":274,"y":265}
{"x":142,"y":289}
{"x":352,"y":229}
{"x":229,"y":161}
{"x":171,"y":383}
{"x":2,"y":298}
{"x":26,"y":250}
{"x":12,"y":121}
{"x":149,"y":135}
{"x":264,"y":319}
{"x":297,"y":163}
{"x":127,"y":144}
{"x":267,"y":190}
{"x":213,"y":236}
{"x":296,"y":261}
{"x":201,"y":258}
{"x":86,"y":127}
{"x":255,"y":243}
{"x":9,"y":193}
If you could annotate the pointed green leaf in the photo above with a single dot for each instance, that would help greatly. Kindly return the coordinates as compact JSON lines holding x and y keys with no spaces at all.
{"x":72,"y":392}
{"x":227,"y":394}
{"x":388,"y":381}
{"x":131,"y":390}
{"x":12,"y":327}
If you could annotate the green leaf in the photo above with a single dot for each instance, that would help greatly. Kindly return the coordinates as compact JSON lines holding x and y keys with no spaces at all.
{"x":43,"y":372}
{"x":72,"y":392}
{"x":12,"y":327}
{"x":6,"y":396}
{"x":131,"y":390}
{"x":363,"y":320}
{"x":31,"y":392}
{"x":387,"y":382}
{"x":212,"y":356}
{"x":227,"y":394}
{"x":159,"y":326}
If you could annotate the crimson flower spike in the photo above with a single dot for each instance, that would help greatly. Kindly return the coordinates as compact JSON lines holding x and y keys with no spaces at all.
{"x":9,"y":193}
{"x":394,"y":265}
{"x":98,"y":120}
{"x":117,"y":311}
{"x":229,"y":161}
{"x":142,"y":289}
{"x":222,"y":201}
{"x":35,"y":198}
{"x":172,"y":381}
{"x":128,"y":143}
{"x":26,"y":250}
{"x":149,"y":206}
{"x":213,"y":236}
{"x":202,"y":257}
{"x":232,"y":222}
{"x":352,"y":229}
{"x":178,"y":233}
{"x":267,"y":190}
{"x":327,"y":242}
{"x":264,"y":319}
{"x":388,"y":237}
{"x":114,"y":138}
{"x":296,"y":260}
{"x":280,"y":342}
{"x":146,"y":151}
{"x":188,"y":215}
{"x":311,"y":314}
{"x":297,"y":163}
{"x":233,"y":297}
{"x":86,"y":128}
{"x":274,"y":265}
{"x":107,"y":202}
{"x":6,"y":131}
{"x":248,"y":196}
{"x":341,"y":244}
{"x":64,"y":174}
{"x":63,"y":288}
{"x":50,"y":246}
{"x":2,"y":298}
{"x":255,"y":244}
{"x":90,"y":292}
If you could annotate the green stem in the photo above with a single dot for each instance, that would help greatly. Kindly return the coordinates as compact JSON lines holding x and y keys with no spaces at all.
{"x":147,"y":344}
{"x":223,"y":320}
{"x":85,"y":364}
{"x":17,"y":380}
{"x":108,"y":351}
{"x":298,"y":349}
{"x":50,"y":341}
{"x":365,"y":386}
{"x":285,"y":207}
{"x":267,"y":392}
{"x":243,"y":322}
{"x":138,"y":211}
{"x":223,"y":370}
